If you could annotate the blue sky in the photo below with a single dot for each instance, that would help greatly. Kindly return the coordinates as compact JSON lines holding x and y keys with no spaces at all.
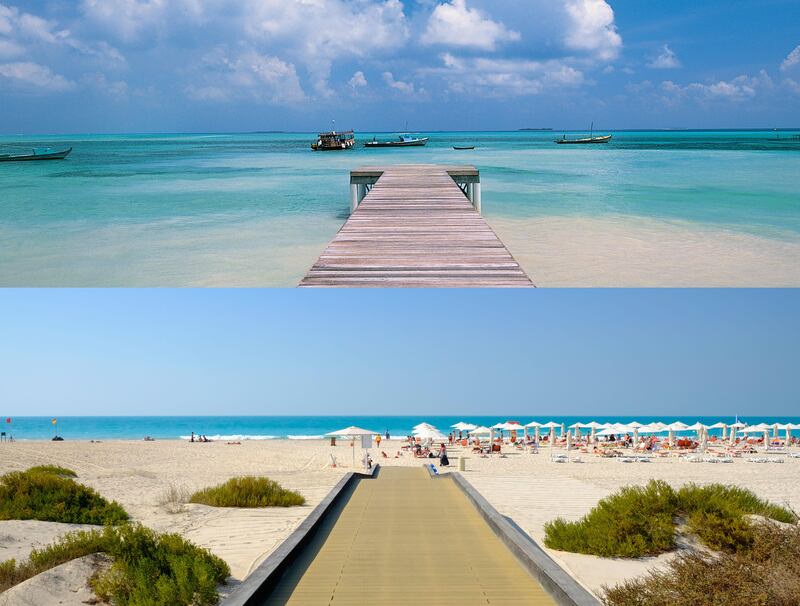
{"x":583,"y":352}
{"x":221,"y":65}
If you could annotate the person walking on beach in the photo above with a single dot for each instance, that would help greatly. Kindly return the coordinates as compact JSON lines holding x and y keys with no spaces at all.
{"x":443,"y":460}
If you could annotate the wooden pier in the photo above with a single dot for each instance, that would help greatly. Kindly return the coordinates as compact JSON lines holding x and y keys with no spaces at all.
{"x":416,"y":226}
{"x":406,"y":539}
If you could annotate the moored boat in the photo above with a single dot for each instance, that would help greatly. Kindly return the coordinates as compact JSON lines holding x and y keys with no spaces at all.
{"x":334,"y":141}
{"x":463,"y":148}
{"x":585,"y":140}
{"x":403,"y":140}
{"x":36,"y":154}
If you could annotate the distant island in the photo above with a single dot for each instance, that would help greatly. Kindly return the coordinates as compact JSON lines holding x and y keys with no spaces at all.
{"x":528,"y":129}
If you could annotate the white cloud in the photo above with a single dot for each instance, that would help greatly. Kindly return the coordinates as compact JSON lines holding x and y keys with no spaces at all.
{"x":398,"y":85}
{"x":454,"y":24}
{"x":317,"y":33}
{"x":792,"y":85}
{"x":592,"y":29}
{"x":358,"y":80}
{"x":9,"y":48}
{"x":25,"y":30}
{"x":249,"y":74}
{"x":505,"y":77}
{"x":666,"y":60}
{"x":34,"y":77}
{"x":738,"y":89}
{"x":792,"y":59}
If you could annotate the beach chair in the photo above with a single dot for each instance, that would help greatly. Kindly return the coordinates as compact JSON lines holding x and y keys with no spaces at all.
{"x":333,"y":461}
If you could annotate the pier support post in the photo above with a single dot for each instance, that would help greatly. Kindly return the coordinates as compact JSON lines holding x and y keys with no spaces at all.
{"x":476,"y":196}
{"x":354,"y":191}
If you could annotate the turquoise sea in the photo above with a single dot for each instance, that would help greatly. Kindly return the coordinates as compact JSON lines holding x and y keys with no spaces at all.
{"x":257,"y":209}
{"x":303,"y":427}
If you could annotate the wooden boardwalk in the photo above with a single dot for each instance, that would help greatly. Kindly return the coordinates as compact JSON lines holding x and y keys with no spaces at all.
{"x":416,"y":228}
{"x":404,"y":538}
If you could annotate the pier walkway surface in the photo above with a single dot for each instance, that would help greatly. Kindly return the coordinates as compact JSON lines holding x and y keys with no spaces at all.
{"x":404,"y":538}
{"x":416,"y":228}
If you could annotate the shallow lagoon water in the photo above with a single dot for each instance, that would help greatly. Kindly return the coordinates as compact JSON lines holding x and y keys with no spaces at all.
{"x":256,"y":209}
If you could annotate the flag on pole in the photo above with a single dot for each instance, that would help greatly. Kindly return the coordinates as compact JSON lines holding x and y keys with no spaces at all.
{"x":8,"y":419}
{"x":54,"y":421}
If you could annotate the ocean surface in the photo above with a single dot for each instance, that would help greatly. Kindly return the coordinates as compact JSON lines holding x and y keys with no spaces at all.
{"x":257,"y":209}
{"x":299,"y":428}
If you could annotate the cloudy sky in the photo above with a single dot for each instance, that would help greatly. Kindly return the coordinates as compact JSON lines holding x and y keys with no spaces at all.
{"x":238,"y":65}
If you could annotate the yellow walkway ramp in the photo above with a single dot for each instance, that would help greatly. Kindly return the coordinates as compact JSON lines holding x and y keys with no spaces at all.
{"x":404,"y":538}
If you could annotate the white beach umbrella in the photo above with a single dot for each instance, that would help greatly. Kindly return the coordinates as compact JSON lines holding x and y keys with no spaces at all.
{"x":536,"y":425}
{"x":593,"y":425}
{"x":461,"y":426}
{"x":481,"y":431}
{"x":352,"y":433}
{"x":722,"y":426}
{"x":576,"y":429}
{"x":733,"y":427}
{"x":775,"y":430}
{"x":699,"y":428}
{"x":563,"y":429}
{"x":431,"y":434}
{"x":423,"y":426}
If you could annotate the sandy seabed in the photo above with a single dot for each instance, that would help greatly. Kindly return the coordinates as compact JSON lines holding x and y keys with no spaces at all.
{"x":636,"y":252}
{"x":529,"y":488}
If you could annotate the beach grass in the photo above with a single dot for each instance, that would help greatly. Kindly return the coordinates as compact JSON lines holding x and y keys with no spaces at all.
{"x":766,"y":572}
{"x":148,"y":568}
{"x":642,"y":521}
{"x":46,"y":496}
{"x":248,"y":491}
{"x":174,"y":498}
{"x":54,"y":470}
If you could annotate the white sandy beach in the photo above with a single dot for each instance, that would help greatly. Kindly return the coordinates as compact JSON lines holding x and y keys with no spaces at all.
{"x":527,"y":487}
{"x":636,"y":252}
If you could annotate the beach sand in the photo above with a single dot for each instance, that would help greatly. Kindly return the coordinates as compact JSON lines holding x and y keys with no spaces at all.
{"x":527,"y":487}
{"x":637,"y":252}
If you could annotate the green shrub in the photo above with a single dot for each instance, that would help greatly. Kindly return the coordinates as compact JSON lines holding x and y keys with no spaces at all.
{"x":70,"y":546}
{"x":634,"y":522}
{"x":641,"y":521}
{"x":159,"y":569}
{"x":54,"y":470}
{"x":766,"y":573}
{"x":148,"y":569}
{"x":38,"y":495}
{"x":248,"y":491}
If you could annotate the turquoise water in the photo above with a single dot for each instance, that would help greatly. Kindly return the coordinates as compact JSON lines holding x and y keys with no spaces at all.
{"x":263,"y":428}
{"x":256,"y":209}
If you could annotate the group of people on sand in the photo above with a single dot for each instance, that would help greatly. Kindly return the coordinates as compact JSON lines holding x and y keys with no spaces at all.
{"x":199,"y":438}
{"x":425,"y":452}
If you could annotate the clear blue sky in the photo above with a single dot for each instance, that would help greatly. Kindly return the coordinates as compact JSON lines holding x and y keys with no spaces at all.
{"x":214,"y":65}
{"x":129,"y":352}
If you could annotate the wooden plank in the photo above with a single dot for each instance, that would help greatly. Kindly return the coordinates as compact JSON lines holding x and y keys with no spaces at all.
{"x":403,"y":538}
{"x":416,"y":228}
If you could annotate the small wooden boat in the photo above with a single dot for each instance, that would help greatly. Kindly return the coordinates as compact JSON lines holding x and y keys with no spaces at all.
{"x":584,"y":141}
{"x":466,"y":147}
{"x":36,"y":154}
{"x":334,"y":141}
{"x":404,"y":140}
